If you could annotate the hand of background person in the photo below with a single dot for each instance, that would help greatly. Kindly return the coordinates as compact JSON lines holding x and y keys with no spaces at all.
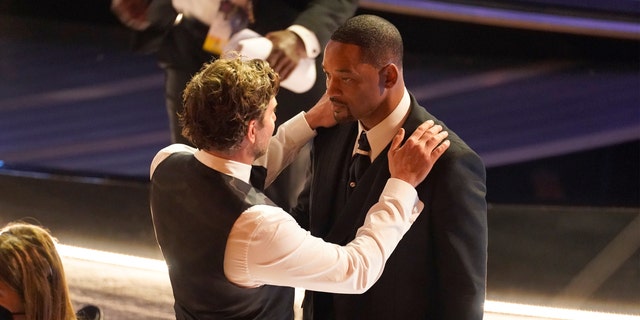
{"x":413,"y":160}
{"x":321,"y":114}
{"x":132,"y":13}
{"x":287,"y":51}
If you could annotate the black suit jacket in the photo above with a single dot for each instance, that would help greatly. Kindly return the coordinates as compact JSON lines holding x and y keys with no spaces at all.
{"x":438,"y":270}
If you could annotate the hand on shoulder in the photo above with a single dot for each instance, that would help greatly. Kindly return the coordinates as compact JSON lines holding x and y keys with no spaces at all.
{"x":413,"y":160}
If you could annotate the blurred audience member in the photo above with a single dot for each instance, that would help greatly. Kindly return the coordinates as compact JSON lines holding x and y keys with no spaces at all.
{"x":33,"y":285}
{"x":182,"y":35}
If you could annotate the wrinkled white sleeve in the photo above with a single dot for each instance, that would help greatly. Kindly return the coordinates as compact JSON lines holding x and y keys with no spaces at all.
{"x":267,"y":246}
{"x":285,"y":145}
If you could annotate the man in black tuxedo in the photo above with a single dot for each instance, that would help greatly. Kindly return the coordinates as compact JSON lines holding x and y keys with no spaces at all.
{"x":438,"y":270}
{"x":177,"y":39}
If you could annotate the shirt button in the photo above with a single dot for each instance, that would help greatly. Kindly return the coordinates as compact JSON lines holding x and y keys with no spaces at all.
{"x":352,"y":184}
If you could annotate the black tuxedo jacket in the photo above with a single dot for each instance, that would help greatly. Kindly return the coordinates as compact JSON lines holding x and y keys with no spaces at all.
{"x":438,"y":270}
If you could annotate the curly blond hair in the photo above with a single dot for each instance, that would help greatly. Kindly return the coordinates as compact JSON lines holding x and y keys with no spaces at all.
{"x":222,"y":98}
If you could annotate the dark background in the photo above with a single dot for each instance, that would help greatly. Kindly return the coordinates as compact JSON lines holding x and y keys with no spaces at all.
{"x":604,"y":176}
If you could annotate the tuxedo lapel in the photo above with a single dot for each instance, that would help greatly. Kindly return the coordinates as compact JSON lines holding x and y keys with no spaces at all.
{"x":332,"y":149}
{"x":351,"y":216}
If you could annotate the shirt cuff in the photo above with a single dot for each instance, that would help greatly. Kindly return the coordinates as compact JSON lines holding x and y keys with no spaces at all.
{"x":299,"y":125}
{"x":405,"y":193}
{"x":311,"y":43}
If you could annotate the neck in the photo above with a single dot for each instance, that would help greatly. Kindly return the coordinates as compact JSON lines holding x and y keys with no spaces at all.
{"x":387,"y":106}
{"x":237,"y":156}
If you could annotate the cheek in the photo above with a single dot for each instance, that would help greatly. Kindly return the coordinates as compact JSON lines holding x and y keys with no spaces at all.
{"x":272,"y":123}
{"x":11,"y":300}
{"x":360,"y":99}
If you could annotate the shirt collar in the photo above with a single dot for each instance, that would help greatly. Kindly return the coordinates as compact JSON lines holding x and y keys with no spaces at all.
{"x":382,"y":134}
{"x":232,"y":168}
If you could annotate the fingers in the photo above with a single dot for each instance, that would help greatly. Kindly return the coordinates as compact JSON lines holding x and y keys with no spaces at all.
{"x":321,"y":114}
{"x":281,"y":63}
{"x":284,"y":56}
{"x":435,"y":141}
{"x":428,"y":134}
{"x":425,"y":131}
{"x":286,"y":70}
{"x":397,"y":139}
{"x":412,"y":160}
{"x":439,"y":150}
{"x":420,"y":131}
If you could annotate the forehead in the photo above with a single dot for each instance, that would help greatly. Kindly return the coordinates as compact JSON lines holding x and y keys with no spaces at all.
{"x":341,"y":56}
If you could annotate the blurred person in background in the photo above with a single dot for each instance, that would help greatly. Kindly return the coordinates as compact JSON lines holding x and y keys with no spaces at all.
{"x":33,"y":285}
{"x":185,"y":34}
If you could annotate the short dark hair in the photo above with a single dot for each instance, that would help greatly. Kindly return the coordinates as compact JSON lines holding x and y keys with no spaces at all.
{"x":221,"y":100}
{"x":379,"y":39}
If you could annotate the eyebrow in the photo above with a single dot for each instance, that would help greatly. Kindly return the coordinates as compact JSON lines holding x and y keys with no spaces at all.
{"x":343,"y":71}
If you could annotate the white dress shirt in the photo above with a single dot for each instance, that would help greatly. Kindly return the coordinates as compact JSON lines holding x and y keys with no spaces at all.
{"x":267,"y":246}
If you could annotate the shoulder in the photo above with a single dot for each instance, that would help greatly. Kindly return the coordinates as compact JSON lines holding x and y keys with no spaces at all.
{"x":459,"y":157}
{"x":165,"y":152}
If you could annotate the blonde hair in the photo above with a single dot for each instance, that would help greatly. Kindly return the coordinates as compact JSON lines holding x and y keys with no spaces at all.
{"x":30,"y":264}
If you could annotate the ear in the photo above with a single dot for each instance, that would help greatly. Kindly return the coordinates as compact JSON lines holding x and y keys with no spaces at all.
{"x":389,"y":75}
{"x":251,"y":131}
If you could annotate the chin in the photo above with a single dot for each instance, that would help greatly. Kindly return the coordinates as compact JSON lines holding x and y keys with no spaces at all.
{"x":343,"y":117}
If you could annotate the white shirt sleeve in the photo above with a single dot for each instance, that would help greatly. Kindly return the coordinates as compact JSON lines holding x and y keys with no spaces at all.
{"x":285,"y":145}
{"x":267,"y":246}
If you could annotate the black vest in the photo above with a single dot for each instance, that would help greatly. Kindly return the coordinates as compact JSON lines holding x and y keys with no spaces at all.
{"x":194,"y":208}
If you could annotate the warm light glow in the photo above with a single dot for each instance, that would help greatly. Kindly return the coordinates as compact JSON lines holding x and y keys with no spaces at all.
{"x":489,"y":306}
{"x":111,"y":258}
{"x":551,"y":313}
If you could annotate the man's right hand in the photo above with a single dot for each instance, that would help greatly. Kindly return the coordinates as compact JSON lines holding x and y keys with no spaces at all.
{"x":413,"y":160}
